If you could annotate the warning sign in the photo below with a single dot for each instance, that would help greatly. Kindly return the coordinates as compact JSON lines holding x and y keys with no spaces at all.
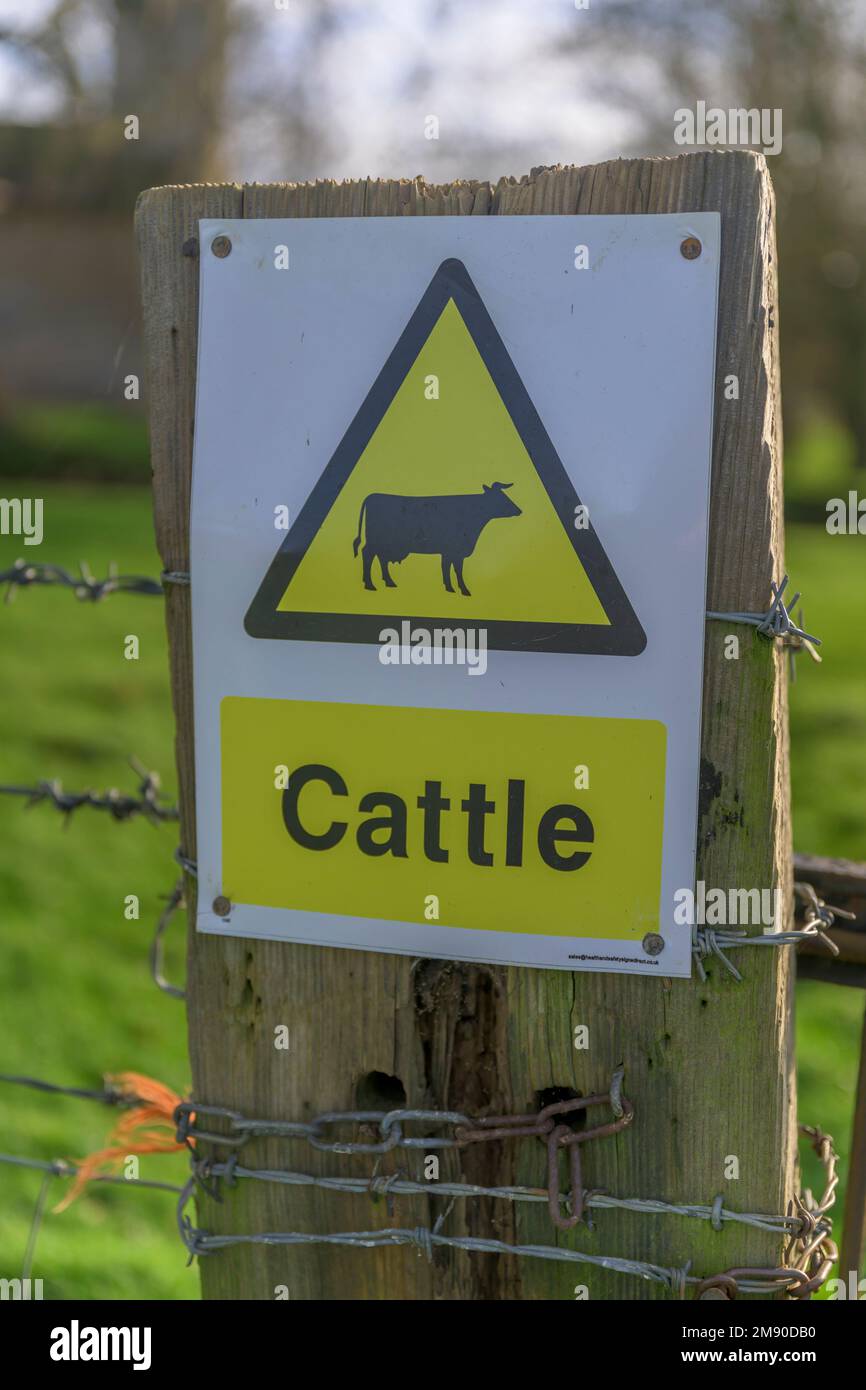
{"x":447,"y":478}
{"x":435,"y":448}
{"x":454,"y":817}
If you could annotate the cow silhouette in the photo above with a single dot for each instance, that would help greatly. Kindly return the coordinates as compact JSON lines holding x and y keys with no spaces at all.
{"x":446,"y":526}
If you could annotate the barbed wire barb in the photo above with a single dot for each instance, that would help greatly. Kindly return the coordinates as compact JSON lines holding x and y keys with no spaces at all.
{"x":777,"y":622}
{"x":121,"y":807}
{"x":717,"y":941}
{"x":84,"y":585}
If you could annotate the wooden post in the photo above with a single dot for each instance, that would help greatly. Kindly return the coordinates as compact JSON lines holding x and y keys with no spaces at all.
{"x":709,"y":1066}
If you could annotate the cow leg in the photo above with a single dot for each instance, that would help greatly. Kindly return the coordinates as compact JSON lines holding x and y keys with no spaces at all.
{"x":446,"y":574}
{"x":458,"y":571}
{"x":367,"y":557}
{"x":385,"y":575}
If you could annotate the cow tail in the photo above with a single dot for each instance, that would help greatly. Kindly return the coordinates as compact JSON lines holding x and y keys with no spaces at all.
{"x":357,"y":540}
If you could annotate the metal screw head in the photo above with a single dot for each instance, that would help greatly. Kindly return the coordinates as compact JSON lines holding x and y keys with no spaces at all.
{"x":690,"y":248}
{"x":653,"y":944}
{"x":221,"y":246}
{"x":221,"y":906}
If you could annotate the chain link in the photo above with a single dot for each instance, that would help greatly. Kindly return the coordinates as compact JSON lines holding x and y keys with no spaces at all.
{"x":808,"y":1256}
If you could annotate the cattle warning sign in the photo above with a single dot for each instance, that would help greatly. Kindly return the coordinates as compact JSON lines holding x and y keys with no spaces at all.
{"x":448,"y":551}
{"x":541,"y":583}
{"x":411,"y":804}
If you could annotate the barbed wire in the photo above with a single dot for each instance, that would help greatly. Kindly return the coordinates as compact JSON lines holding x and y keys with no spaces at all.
{"x":426,"y":1239}
{"x":84,"y":585}
{"x":810,"y":1251}
{"x":62,"y":1168}
{"x":107,"y":1095}
{"x":120,"y":806}
{"x":24,"y":574}
{"x":819,"y":914}
{"x":207,"y":1170}
{"x":716,"y":941}
{"x":810,"y":1245}
{"x":423,"y":1238}
{"x":806,"y":1224}
{"x":777,"y":622}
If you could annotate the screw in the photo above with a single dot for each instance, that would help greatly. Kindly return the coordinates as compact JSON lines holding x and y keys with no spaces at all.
{"x":653,"y":944}
{"x":221,"y":246}
{"x":690,"y":248}
{"x":221,"y":906}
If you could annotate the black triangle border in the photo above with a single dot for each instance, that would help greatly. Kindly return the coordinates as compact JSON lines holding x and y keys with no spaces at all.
{"x":625,"y":635}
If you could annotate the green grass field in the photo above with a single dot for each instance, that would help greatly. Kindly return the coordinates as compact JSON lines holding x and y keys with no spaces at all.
{"x":77,"y":996}
{"x":76,"y":992}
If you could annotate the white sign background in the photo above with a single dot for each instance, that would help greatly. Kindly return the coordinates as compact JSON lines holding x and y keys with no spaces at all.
{"x":618,"y":360}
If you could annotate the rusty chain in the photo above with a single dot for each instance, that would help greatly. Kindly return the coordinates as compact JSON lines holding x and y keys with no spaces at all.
{"x":808,"y":1257}
{"x":558,"y":1136}
{"x":547,"y":1124}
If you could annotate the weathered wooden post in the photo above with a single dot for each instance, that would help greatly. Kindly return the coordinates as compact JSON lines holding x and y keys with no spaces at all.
{"x":709,"y":1065}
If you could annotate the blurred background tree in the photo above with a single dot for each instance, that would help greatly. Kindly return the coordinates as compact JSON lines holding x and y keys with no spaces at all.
{"x":808,"y":59}
{"x":342,"y":88}
{"x":161,"y":60}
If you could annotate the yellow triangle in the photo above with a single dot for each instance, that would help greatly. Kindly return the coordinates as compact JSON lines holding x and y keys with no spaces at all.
{"x":523,"y":568}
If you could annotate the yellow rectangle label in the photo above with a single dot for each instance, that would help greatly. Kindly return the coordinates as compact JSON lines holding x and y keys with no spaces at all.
{"x":536,"y":824}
